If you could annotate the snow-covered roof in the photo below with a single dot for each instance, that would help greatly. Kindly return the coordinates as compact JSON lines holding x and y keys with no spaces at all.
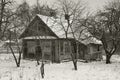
{"x":57,"y":28}
{"x":55,"y":24}
{"x":8,"y":41}
{"x":40,"y":37}
{"x":91,"y":40}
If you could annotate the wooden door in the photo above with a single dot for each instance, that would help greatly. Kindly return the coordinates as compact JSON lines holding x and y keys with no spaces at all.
{"x":46,"y":49}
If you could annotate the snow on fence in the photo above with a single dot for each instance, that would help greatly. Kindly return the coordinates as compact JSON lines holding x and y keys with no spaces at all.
{"x":6,"y":50}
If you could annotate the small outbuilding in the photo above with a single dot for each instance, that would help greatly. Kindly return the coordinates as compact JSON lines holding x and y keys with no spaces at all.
{"x":92,"y":50}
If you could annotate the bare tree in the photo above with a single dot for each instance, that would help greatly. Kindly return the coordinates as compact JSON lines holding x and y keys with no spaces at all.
{"x":23,"y":13}
{"x":105,"y":27}
{"x":18,"y":47}
{"x":5,"y":15}
{"x":16,"y":25}
{"x":69,"y":14}
{"x":43,"y":9}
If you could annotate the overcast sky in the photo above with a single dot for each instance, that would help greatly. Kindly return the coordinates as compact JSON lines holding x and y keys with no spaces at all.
{"x":93,"y":5}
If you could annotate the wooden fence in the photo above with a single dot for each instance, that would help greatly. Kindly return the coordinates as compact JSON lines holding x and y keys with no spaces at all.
{"x":6,"y":50}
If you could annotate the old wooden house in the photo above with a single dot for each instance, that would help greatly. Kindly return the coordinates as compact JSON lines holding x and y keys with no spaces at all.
{"x":54,"y":48}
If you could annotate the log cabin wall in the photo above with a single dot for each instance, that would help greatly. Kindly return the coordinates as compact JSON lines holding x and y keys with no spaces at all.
{"x":64,"y":49}
{"x":82,"y":51}
{"x":52,"y":49}
{"x":24,"y":45}
{"x":30,"y":45}
{"x":57,"y":55}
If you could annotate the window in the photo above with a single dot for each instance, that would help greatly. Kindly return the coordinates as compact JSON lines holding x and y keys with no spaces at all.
{"x":67,"y":47}
{"x":46,"y":46}
{"x":61,"y":46}
{"x":31,"y":47}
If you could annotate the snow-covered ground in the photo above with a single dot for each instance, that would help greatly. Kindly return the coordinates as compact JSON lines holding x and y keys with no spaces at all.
{"x":62,"y":71}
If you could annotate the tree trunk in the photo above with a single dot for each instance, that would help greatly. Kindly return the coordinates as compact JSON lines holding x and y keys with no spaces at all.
{"x":37,"y":62}
{"x":75,"y":64}
{"x":108,"y":57}
{"x":18,"y":64}
{"x":108,"y":54}
{"x":14,"y":56}
{"x":42,"y":70}
{"x":74,"y":61}
{"x":66,"y":34}
{"x":19,"y":60}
